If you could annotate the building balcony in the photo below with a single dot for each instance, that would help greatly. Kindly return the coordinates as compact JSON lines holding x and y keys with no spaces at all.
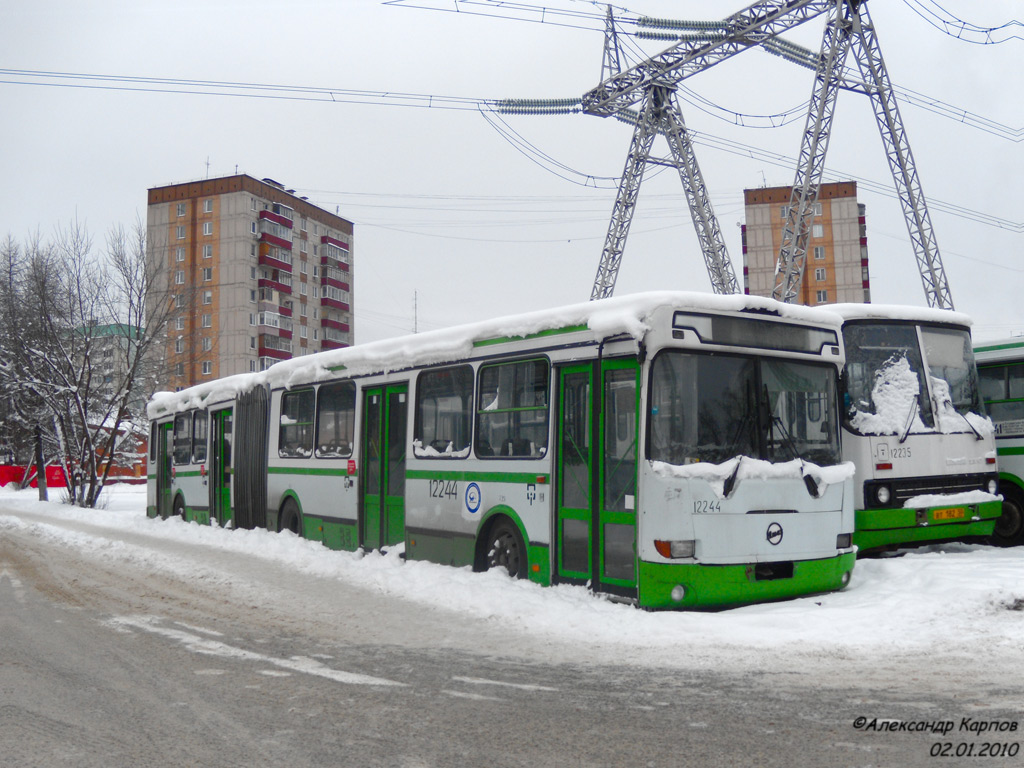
{"x":277,"y":218}
{"x":335,"y":324}
{"x":279,"y":261}
{"x":275,"y":285}
{"x":333,"y":281}
{"x":332,"y":262}
{"x":334,"y":304}
{"x":276,"y":354}
{"x":328,"y":344}
{"x":280,"y":242}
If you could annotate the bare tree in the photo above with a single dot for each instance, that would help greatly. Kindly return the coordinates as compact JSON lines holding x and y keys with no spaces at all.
{"x":87,"y":323}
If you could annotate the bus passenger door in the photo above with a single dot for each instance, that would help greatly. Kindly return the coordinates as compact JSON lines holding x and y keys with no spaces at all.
{"x":220,"y":465}
{"x":382,"y":507}
{"x":575,"y":473}
{"x":596,"y":475}
{"x":164,"y":451}
{"x":618,"y":472}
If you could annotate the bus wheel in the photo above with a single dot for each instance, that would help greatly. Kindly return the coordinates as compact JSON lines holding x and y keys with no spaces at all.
{"x":291,"y":518}
{"x":179,"y":507}
{"x":504,"y":549}
{"x":1010,"y":525}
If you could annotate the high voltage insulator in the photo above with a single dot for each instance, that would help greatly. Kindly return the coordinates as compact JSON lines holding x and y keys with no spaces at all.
{"x":654,"y":23}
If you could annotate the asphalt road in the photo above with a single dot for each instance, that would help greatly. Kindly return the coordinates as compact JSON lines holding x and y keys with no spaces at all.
{"x":104,"y":664}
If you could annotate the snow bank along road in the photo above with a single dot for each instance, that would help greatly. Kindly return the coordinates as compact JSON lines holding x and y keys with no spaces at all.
{"x":128,"y":641}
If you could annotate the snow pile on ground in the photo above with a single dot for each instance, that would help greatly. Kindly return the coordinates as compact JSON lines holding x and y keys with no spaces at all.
{"x":941,"y":598}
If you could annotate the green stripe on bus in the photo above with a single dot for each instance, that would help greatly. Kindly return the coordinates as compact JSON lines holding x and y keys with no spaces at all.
{"x":997,"y":347}
{"x":342,"y":472}
{"x":481,"y":477}
{"x":538,"y":335}
{"x":1014,"y":451}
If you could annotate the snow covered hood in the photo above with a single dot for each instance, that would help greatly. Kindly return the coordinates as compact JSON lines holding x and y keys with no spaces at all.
{"x":900,"y":312}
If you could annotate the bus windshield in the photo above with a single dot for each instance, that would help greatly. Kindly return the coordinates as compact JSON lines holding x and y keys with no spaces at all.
{"x":711,"y":408}
{"x":889,"y":390}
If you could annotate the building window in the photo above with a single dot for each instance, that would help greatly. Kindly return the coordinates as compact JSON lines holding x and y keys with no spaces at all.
{"x":316,"y":271}
{"x":207,"y":273}
{"x":179,"y":277}
{"x":179,"y":323}
{"x":252,"y":203}
{"x":303,"y":247}
{"x":252,"y":227}
{"x":817,"y":231}
{"x":304,"y":267}
{"x":302,"y":309}
{"x":822,"y":296}
{"x":252,"y":296}
{"x":315,"y":335}
{"x":207,"y":297}
{"x":179,"y":369}
{"x":179,"y":301}
{"x":179,"y":345}
{"x":207,"y":367}
{"x":316,"y":292}
{"x":207,"y":343}
{"x":302,"y":289}
{"x":252,"y":342}
{"x":819,"y":274}
{"x":252,"y":319}
{"x":252,"y":366}
{"x":316,"y":313}
{"x":207,"y":251}
{"x":302,"y":224}
{"x":180,"y":232}
{"x":182,"y":209}
{"x":206,"y":321}
{"x":303,"y":331}
{"x":208,"y":206}
{"x":819,"y":252}
{"x":252,"y":273}
{"x":179,"y":254}
{"x":207,"y":227}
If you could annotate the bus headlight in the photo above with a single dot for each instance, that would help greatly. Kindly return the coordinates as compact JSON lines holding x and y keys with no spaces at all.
{"x":674,"y":550}
{"x":993,"y":487}
{"x":882,"y":494}
{"x":845,"y":580}
{"x":678,"y":593}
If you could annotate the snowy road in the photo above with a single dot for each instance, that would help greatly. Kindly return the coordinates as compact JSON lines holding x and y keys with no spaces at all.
{"x":127,"y":641}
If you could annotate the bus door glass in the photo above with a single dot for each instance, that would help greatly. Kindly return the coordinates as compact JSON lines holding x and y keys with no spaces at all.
{"x":220,"y":465}
{"x":165,"y":449}
{"x":382,"y":519}
{"x":617,"y":532}
{"x":575,"y":472}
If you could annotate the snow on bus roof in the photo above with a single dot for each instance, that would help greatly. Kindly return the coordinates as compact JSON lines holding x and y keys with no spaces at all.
{"x":900,"y":312}
{"x":620,"y":314}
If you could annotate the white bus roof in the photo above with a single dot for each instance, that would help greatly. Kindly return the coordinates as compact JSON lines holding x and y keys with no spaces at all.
{"x":607,"y":317}
{"x":900,"y":312}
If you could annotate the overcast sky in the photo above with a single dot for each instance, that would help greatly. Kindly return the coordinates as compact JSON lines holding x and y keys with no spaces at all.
{"x":450,"y":215}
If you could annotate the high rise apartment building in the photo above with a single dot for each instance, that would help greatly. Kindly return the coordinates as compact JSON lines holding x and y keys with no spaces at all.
{"x":255,"y":273}
{"x":836,"y":269}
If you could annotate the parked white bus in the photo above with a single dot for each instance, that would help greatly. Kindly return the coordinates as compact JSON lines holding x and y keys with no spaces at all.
{"x":672,"y":450}
{"x":1001,"y":368}
{"x":915,"y":427}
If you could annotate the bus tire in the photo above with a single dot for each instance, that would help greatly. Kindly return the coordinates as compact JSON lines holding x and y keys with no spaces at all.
{"x":503,"y":548}
{"x":179,"y":507}
{"x":1009,"y":528}
{"x":291,"y":518}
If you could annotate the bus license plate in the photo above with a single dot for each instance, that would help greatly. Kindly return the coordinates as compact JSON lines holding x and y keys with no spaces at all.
{"x":950,"y":513}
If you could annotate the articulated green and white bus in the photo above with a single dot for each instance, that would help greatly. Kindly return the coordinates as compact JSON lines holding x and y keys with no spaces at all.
{"x":671,"y":450}
{"x":915,"y":427}
{"x":1001,"y":368}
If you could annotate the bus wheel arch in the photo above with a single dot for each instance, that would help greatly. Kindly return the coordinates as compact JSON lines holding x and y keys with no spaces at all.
{"x":178,"y":507}
{"x":1009,"y":528}
{"x":500,"y":544}
{"x":290,"y":516}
